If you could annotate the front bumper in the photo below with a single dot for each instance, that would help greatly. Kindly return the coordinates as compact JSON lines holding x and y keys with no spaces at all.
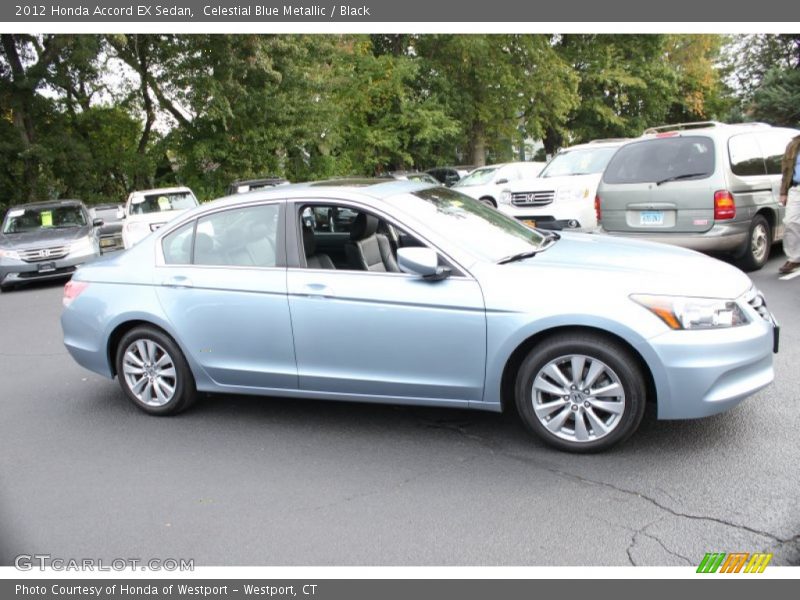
{"x":706,"y":372}
{"x":18,"y":272}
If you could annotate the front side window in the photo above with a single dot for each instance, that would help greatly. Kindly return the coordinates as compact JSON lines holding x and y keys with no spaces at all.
{"x":241,"y":237}
{"x":660,"y":160}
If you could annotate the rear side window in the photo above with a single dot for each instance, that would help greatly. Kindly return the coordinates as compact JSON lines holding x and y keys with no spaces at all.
{"x":774,"y":145}
{"x":746,"y":156}
{"x":178,"y":245}
{"x":661,"y":160}
{"x":242,"y":237}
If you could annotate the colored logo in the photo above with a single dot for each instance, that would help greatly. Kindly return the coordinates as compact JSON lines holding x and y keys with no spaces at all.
{"x":735,"y":562}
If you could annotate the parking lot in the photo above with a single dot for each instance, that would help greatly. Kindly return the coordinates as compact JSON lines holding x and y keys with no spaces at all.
{"x":251,"y":481}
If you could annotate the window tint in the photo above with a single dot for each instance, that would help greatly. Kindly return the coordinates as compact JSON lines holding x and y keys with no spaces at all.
{"x":162,"y":202}
{"x":746,"y":156}
{"x":178,"y":245}
{"x":774,"y":145}
{"x":242,"y":237}
{"x":661,"y":160}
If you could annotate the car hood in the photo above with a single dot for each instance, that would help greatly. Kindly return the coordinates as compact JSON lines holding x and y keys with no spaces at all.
{"x":43,"y":237}
{"x":590,"y":181}
{"x":601,"y":262}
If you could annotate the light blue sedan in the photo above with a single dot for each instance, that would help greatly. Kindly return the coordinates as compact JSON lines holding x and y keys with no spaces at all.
{"x":407,"y":293}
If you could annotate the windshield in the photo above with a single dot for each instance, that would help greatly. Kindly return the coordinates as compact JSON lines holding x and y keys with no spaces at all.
{"x":479,"y":229}
{"x":663,"y":159}
{"x":478,"y":177}
{"x":583,"y":161}
{"x":163,"y":202}
{"x":19,"y":220}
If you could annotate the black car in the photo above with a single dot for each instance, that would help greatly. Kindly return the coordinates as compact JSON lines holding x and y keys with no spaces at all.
{"x":450,"y":175}
{"x":46,"y":240}
{"x":110,"y":234}
{"x":249,"y":185}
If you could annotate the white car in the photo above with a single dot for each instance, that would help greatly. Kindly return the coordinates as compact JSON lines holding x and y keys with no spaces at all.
{"x":486,"y":183}
{"x":147,"y":210}
{"x":562,"y":196}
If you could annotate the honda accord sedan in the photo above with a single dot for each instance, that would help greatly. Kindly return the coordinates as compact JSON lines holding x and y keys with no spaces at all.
{"x":406,"y":293}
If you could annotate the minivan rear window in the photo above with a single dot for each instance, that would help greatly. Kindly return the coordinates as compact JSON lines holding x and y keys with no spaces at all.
{"x":660,"y":160}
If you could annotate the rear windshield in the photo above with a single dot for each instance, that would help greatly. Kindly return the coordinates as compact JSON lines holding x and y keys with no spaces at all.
{"x":661,"y":160}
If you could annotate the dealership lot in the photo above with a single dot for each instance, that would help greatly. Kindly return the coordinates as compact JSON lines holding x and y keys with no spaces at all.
{"x":250,"y":481}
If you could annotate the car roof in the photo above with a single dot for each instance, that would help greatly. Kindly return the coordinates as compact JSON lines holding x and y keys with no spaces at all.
{"x":165,"y":190}
{"x":44,"y":203}
{"x":604,"y":143}
{"x":370,"y":190}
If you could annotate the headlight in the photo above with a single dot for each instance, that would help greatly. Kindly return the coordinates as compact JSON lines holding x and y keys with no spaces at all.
{"x":693,"y":313}
{"x":9,"y":254}
{"x":571,"y":194}
{"x":82,"y":246}
{"x":505,"y":196}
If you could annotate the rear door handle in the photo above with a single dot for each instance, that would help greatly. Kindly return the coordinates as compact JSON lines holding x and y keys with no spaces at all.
{"x":318,"y":290}
{"x":178,"y":281}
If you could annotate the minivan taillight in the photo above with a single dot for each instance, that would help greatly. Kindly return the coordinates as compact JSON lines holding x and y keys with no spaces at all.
{"x":724,"y":206}
{"x":72,"y":290}
{"x":598,"y":212}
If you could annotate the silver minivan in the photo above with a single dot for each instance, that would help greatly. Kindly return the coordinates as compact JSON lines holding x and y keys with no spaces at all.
{"x":708,"y":186}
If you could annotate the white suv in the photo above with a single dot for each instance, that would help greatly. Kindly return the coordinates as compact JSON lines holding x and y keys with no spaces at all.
{"x":147,"y":210}
{"x":562,"y":196}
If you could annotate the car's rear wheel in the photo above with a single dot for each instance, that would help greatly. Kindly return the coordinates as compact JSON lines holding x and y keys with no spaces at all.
{"x":759,"y":241}
{"x":581,"y":392}
{"x":153,"y":372}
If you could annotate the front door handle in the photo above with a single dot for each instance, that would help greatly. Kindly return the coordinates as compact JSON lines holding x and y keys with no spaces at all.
{"x":178,"y":281}
{"x":318,"y":290}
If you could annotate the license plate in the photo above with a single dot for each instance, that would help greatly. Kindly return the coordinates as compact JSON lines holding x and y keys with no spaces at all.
{"x":47,"y":267}
{"x":529,"y":222}
{"x":651,"y":217}
{"x":105,"y":243}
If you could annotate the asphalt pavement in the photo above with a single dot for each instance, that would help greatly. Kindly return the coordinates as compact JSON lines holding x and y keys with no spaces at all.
{"x":259,"y":481}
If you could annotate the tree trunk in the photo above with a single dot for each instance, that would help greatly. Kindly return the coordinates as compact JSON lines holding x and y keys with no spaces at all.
{"x":478,"y":145}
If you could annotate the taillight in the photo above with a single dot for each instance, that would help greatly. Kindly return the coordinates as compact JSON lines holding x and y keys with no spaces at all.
{"x":724,"y":206}
{"x":72,"y":290}
{"x":598,"y":212}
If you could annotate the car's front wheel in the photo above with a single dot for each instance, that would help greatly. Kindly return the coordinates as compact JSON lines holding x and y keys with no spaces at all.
{"x":581,"y":392}
{"x":153,"y":372}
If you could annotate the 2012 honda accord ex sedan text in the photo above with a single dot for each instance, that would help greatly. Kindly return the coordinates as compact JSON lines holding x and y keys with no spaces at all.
{"x":408,"y":293}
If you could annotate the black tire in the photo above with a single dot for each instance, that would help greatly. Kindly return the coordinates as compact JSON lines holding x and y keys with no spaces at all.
{"x":488,"y":201}
{"x":184,"y":393}
{"x":759,"y":242}
{"x":601,"y":350}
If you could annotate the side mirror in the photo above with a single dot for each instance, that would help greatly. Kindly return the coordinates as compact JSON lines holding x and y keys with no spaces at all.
{"x":423,"y":262}
{"x":120,"y":213}
{"x":98,"y":222}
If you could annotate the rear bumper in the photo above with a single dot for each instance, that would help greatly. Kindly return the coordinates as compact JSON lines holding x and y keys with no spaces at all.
{"x":729,"y":237}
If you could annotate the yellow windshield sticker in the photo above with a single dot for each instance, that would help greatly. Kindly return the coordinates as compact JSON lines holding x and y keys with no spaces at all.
{"x":47,"y":219}
{"x":163,"y":203}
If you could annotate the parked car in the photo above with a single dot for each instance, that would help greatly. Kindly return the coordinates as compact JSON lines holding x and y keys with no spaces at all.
{"x":706,"y":186}
{"x":248,"y":185}
{"x":562,"y":196}
{"x":413,"y":176}
{"x":147,"y":210}
{"x":485,"y":183}
{"x":427,"y":297}
{"x":46,"y":240}
{"x":449,"y":176}
{"x":110,"y":234}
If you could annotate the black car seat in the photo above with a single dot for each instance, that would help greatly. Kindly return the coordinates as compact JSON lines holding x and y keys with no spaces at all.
{"x":314,"y":260}
{"x":368,"y":250}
